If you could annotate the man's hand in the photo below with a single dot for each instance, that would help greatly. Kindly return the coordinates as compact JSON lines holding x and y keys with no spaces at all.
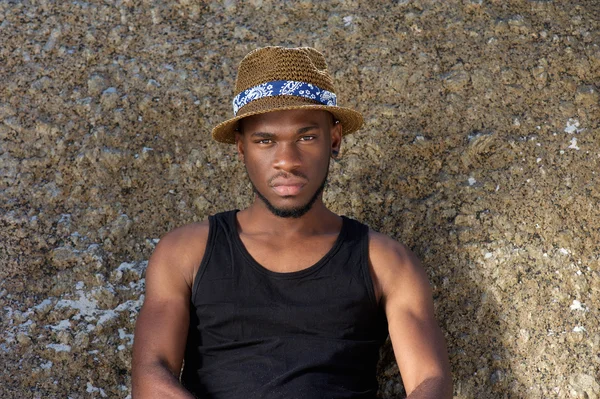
{"x":404,"y":292}
{"x":162,"y":325}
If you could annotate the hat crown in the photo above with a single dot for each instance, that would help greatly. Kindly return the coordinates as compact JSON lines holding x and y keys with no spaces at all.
{"x":303,"y":64}
{"x":277,"y":79}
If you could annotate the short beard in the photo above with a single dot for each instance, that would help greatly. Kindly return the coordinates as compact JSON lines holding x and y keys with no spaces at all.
{"x":293,"y":212}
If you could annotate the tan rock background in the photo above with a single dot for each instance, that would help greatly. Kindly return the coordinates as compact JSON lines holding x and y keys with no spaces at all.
{"x":480,"y":151}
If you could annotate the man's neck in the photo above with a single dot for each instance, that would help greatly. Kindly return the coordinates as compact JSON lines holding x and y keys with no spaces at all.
{"x":257,"y":218}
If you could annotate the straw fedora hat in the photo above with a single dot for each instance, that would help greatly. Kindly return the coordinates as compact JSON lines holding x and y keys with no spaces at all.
{"x":278,"y":78}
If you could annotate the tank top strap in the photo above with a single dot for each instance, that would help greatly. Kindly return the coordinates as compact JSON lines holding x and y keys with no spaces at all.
{"x":356,"y":245}
{"x":220,"y":241}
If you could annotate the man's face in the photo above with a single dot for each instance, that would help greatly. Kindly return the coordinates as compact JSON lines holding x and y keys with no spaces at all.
{"x":286,"y":154}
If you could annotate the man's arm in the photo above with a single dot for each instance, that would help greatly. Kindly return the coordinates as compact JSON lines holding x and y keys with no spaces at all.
{"x":162,"y":325}
{"x":417,"y":340}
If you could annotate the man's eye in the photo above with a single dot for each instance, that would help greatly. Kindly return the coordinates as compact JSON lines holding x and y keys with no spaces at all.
{"x":264,"y":141}
{"x":307,"y":138}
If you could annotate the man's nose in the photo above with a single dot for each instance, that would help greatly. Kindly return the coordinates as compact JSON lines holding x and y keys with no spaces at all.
{"x":287,"y":157}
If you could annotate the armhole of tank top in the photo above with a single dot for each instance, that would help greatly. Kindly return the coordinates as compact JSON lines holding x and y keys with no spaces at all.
{"x":210,"y":243}
{"x":366,"y":270}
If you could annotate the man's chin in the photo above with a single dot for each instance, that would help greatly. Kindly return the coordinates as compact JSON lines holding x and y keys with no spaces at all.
{"x":289,"y":211}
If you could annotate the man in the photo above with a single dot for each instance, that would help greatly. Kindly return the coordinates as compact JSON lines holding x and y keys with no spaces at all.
{"x":284,"y":299}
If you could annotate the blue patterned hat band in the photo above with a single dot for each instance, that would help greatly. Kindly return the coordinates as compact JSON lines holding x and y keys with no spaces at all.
{"x":283,"y":88}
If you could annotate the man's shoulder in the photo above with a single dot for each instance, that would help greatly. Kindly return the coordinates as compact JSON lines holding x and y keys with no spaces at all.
{"x":385,"y":247}
{"x":185,"y":235}
{"x":189,"y":237}
{"x":392,"y":263}
{"x":181,"y":250}
{"x":184,"y":245}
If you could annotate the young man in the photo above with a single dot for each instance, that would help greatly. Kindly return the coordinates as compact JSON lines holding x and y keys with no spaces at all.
{"x":284,"y":299}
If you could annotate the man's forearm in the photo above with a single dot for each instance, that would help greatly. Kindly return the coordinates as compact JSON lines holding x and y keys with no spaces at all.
{"x":156,"y":381}
{"x":433,"y":388}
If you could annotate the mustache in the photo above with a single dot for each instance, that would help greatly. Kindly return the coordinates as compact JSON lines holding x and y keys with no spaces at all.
{"x":287,"y":175}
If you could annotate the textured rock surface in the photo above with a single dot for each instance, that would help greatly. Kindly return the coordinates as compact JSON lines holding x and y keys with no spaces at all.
{"x":480,"y":151}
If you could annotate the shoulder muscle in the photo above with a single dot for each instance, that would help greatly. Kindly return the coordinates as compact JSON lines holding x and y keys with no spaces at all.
{"x":175,"y":260}
{"x":398,"y":272}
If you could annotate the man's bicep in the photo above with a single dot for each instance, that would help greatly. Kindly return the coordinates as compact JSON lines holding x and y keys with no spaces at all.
{"x":160,"y":334}
{"x":418,"y":343}
{"x":417,"y":340}
{"x":162,"y":325}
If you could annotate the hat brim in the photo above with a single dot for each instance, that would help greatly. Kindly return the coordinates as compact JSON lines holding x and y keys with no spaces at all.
{"x":350,"y":120}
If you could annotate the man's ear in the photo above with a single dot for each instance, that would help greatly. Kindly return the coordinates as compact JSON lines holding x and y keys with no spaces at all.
{"x":336,"y":138}
{"x":239,"y":143}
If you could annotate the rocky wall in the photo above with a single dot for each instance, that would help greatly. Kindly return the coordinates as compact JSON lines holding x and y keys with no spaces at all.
{"x":480,"y":151}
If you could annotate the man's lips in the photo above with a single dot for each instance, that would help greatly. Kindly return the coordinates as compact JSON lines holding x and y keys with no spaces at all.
{"x":287,"y":190}
{"x":287,"y":187}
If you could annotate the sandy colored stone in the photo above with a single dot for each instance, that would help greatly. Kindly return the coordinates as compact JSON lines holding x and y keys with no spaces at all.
{"x":584,"y":386}
{"x":63,"y":257}
{"x":479,"y":152}
{"x":587,"y":96}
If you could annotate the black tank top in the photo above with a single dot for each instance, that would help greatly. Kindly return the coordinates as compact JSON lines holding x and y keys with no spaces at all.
{"x":255,"y":333}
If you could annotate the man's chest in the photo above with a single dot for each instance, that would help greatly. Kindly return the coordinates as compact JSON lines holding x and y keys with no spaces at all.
{"x":249,"y":306}
{"x":287,"y":255}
